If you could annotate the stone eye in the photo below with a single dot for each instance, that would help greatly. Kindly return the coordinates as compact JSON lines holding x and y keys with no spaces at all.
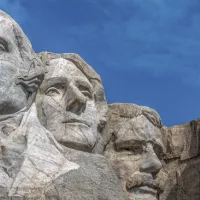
{"x":85,"y":91}
{"x":55,"y":89}
{"x":128,"y":149}
{"x":52,"y":91}
{"x":131,"y":150}
{"x":136,"y":150}
{"x":87,"y":94}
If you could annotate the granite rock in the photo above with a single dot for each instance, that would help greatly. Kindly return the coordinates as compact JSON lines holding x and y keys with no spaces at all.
{"x":71,"y":101}
{"x":54,"y":125}
{"x":182,"y":161}
{"x":134,"y":147}
{"x":33,"y":165}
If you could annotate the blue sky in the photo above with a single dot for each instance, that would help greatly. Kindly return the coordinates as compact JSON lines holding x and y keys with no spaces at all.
{"x":146,"y":51}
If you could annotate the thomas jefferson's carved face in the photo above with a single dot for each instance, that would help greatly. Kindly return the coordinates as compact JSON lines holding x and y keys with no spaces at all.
{"x":68,"y":105}
{"x":12,"y":96}
{"x":134,"y":153}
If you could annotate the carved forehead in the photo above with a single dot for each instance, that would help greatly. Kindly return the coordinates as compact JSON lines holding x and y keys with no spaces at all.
{"x":87,"y":70}
{"x":6,"y":25}
{"x":138,"y":128}
{"x":5,"y":18}
{"x":7,"y":29}
{"x":10,"y":28}
{"x":63,"y":68}
{"x":128,"y":111}
{"x":130,"y":121}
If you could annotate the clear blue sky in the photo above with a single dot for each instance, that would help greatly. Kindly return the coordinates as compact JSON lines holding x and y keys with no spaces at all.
{"x":146,"y":51}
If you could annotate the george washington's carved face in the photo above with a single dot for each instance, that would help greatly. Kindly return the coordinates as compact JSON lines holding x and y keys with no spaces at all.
{"x":68,"y":105}
{"x":13,"y":98}
{"x":14,"y":93}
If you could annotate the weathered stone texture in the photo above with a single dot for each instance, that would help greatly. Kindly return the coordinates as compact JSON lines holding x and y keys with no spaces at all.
{"x":182,"y":141}
{"x":94,"y":180}
{"x":54,"y":126}
{"x":183,"y":161}
{"x":135,"y":149}
{"x":71,"y":101}
{"x":33,"y":165}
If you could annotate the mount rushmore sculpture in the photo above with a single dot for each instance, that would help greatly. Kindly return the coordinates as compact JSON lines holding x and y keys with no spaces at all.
{"x":60,"y":140}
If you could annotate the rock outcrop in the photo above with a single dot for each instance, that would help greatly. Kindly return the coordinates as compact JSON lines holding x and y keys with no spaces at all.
{"x":33,"y":164}
{"x":59,"y":140}
{"x":182,"y":160}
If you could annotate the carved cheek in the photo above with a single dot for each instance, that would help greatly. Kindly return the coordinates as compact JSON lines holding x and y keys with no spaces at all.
{"x":50,"y":106}
{"x":7,"y":73}
{"x":91,"y":109}
{"x":125,"y":167}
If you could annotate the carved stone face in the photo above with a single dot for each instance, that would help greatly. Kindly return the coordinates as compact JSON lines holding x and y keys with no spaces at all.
{"x":13,"y":98}
{"x":15,"y":49}
{"x":68,"y":105}
{"x":134,"y":152}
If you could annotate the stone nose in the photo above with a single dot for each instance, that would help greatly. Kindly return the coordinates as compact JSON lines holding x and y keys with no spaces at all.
{"x":75,"y":100}
{"x":150,"y":162}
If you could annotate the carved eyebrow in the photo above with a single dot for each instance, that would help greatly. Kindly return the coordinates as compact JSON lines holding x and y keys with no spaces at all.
{"x":4,"y":44}
{"x":119,"y":144}
{"x":84,"y":85}
{"x":52,"y":81}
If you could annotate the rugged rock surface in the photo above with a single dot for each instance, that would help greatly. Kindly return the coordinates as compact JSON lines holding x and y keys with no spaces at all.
{"x":71,"y":101}
{"x":93,"y":180}
{"x":54,"y":126}
{"x":182,"y":161}
{"x":33,"y":165}
{"x":135,"y":149}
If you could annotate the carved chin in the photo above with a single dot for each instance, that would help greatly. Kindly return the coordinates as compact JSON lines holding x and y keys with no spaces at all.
{"x":79,"y":136}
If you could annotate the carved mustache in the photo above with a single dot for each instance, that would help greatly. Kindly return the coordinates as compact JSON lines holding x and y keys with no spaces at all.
{"x":138,"y":180}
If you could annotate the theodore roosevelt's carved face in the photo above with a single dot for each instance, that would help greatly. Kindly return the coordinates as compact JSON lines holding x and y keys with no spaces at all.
{"x":134,"y":151}
{"x":68,"y":104}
